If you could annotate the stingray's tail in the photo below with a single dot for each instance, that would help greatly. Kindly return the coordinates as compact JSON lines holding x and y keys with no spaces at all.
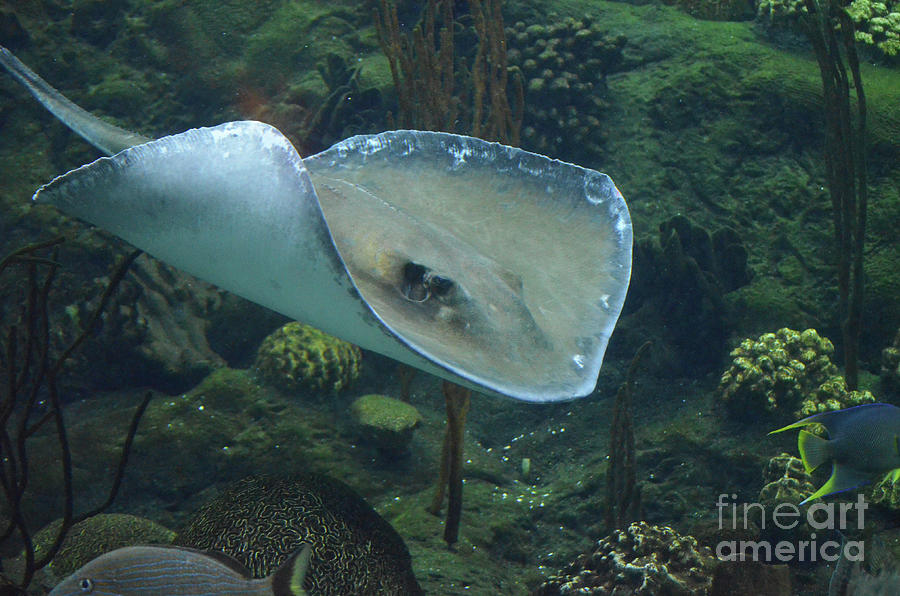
{"x":102,"y":135}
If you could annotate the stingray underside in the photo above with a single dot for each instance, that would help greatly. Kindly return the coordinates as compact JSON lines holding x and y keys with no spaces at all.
{"x":549,"y":244}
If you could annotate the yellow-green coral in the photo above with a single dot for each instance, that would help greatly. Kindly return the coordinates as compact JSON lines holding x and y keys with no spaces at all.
{"x":298,"y":356}
{"x":832,"y":395}
{"x":786,"y":371}
{"x":886,"y":491}
{"x":877,"y":23}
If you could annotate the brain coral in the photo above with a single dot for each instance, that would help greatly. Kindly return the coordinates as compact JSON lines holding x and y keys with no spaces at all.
{"x":96,"y":535}
{"x":261,"y":520}
{"x":786,"y":371}
{"x":298,"y":356}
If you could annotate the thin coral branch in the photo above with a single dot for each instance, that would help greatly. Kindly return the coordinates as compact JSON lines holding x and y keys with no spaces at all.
{"x":32,"y":375}
{"x":622,"y":494}
{"x":831,"y":33}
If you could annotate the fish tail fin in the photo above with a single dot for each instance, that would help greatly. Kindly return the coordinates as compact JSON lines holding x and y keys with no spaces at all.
{"x":288,"y":579}
{"x":842,"y":478}
{"x":104,"y":136}
{"x":814,"y":450}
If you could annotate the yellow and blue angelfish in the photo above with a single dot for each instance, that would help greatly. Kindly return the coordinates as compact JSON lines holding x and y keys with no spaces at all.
{"x":863,"y":441}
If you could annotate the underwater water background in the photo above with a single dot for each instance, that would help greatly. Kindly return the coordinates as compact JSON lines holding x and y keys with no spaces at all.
{"x":708,"y":119}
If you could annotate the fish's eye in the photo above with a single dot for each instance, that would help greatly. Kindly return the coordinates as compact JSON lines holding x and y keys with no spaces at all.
{"x":415,"y":285}
{"x":86,"y":585}
{"x":440,"y":286}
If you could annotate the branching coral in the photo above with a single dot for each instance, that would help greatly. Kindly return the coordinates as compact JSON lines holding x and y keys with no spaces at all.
{"x":435,"y":89}
{"x":30,"y":401}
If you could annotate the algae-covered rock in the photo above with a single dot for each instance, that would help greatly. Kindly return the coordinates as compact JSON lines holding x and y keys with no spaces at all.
{"x":225,"y":428}
{"x":97,"y":535}
{"x":386,"y":421}
{"x":786,"y":371}
{"x":298,"y":357}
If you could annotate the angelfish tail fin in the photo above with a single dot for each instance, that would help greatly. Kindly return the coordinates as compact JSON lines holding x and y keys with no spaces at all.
{"x":842,"y":478}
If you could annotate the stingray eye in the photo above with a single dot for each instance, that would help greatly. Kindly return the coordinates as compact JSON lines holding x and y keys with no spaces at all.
{"x":415,"y":286}
{"x":440,"y":286}
{"x":86,"y":585}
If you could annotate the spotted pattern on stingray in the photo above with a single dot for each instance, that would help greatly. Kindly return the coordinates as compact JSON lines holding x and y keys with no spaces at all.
{"x":261,"y":520}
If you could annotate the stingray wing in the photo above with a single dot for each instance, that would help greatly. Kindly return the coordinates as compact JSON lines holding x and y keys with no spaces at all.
{"x":562,"y":232}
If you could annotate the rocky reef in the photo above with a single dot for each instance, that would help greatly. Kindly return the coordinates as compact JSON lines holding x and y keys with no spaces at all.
{"x":886,"y":491}
{"x":785,"y":481}
{"x":890,"y":365}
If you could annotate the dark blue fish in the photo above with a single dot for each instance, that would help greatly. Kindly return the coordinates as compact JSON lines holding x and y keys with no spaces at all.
{"x":863,"y":441}
{"x":172,"y":570}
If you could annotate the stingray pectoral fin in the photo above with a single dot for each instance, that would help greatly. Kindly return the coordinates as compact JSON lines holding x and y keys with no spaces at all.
{"x":539,"y":251}
{"x":231,"y":204}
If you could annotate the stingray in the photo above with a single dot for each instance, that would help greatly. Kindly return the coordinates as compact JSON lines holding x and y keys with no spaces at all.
{"x":487,"y":265}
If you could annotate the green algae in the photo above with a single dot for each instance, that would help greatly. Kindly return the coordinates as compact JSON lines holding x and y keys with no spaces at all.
{"x":297,"y":37}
